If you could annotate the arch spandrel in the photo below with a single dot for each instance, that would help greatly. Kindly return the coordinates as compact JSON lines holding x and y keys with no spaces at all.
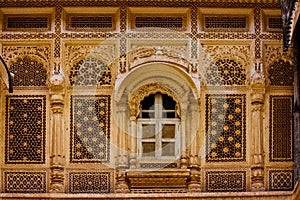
{"x":165,"y":74}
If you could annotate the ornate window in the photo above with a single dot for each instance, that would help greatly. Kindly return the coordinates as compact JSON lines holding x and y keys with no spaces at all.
{"x":281,"y":73}
{"x":172,"y":22}
{"x":158,"y":128}
{"x":90,"y":22}
{"x":90,"y":72}
{"x":225,"y":22}
{"x":27,"y":22}
{"x":28,"y":72}
{"x":226,"y":72}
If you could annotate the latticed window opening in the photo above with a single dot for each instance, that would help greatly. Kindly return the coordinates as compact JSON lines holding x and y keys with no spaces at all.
{"x":221,"y":22}
{"x":27,"y":22}
{"x":275,"y":23}
{"x":226,"y":72}
{"x":90,"y":22}
{"x":28,"y":72}
{"x":281,"y":128}
{"x":158,"y":128}
{"x":281,"y":74}
{"x":172,"y":22}
{"x":90,"y":72}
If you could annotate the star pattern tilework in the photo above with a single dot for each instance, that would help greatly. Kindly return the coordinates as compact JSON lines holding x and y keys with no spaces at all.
{"x":25,"y":129}
{"x":90,"y":128}
{"x":225,"y":127}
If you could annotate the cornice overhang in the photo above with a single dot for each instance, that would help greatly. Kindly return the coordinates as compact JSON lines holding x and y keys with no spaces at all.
{"x":288,"y":10}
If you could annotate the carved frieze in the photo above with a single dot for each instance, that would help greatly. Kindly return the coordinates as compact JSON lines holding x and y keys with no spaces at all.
{"x":274,"y":53}
{"x":41,"y":53}
{"x":149,"y":53}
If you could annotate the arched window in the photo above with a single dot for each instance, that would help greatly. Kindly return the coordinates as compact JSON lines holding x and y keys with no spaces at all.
{"x":158,"y":128}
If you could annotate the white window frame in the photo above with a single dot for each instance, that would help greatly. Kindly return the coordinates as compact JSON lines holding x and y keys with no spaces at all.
{"x":158,"y":121}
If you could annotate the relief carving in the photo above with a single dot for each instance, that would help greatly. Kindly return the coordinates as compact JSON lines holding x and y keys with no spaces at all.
{"x":41,"y":53}
{"x":171,"y":54}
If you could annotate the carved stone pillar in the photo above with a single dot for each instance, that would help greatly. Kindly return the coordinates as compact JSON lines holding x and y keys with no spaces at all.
{"x":57,"y":157}
{"x":133,"y":142}
{"x":193,"y":182}
{"x":256,"y":139}
{"x":122,"y":160}
{"x":184,"y":157}
{"x":257,"y":154}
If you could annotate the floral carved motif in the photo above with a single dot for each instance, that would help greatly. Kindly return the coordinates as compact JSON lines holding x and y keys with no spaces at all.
{"x":41,"y":53}
{"x":107,"y":53}
{"x":171,"y":54}
{"x":275,"y":52}
{"x":90,"y":65}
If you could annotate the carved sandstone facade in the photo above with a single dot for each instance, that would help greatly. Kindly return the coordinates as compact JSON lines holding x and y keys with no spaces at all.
{"x":146,"y":99}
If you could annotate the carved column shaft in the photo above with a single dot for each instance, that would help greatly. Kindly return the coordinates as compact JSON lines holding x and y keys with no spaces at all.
{"x":193,"y":139}
{"x":257,"y":151}
{"x":122,"y":157}
{"x":57,"y":158}
{"x":193,"y":181}
{"x":256,"y":139}
{"x":122,"y":162}
{"x":183,"y":160}
{"x":133,"y":142}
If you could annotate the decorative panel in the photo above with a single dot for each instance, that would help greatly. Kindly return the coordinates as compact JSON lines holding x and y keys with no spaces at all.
{"x":25,"y":182}
{"x":281,"y":128}
{"x":90,"y":72}
{"x":90,"y":22}
{"x":90,"y":182}
{"x":225,"y":23}
{"x":277,"y":58}
{"x":169,"y":22}
{"x":157,"y":190}
{"x":25,"y":129}
{"x":28,"y":72}
{"x":90,"y":128}
{"x":27,"y":22}
{"x":281,"y":179}
{"x":226,"y":72}
{"x":225,"y":127}
{"x":274,"y":23}
{"x":281,"y":73}
{"x":225,"y":181}
{"x":158,"y":165}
